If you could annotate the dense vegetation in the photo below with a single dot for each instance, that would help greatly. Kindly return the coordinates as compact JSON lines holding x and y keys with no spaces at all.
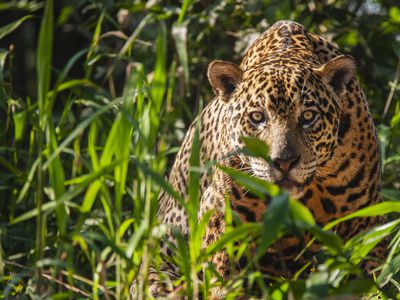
{"x":95,"y":97}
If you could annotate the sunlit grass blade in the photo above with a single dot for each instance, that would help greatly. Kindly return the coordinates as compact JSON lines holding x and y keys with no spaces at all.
{"x":179,"y":32}
{"x":257,"y":186}
{"x":236,"y":234}
{"x":364,"y":242}
{"x":370,"y":211}
{"x":48,"y":207}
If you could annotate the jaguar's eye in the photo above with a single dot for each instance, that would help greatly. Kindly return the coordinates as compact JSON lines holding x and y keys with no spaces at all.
{"x":308,"y":117}
{"x":257,"y":117}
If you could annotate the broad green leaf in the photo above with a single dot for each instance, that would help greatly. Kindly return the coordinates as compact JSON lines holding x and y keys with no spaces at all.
{"x":257,"y":186}
{"x":255,"y":147}
{"x":19,"y":119}
{"x":354,"y":287}
{"x":300,"y":212}
{"x":330,"y":240}
{"x":273,"y":222}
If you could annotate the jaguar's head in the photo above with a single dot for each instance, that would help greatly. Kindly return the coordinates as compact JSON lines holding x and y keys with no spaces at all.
{"x":292,"y":107}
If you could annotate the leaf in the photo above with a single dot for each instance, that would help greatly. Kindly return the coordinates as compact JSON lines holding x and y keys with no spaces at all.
{"x":158,"y":84}
{"x":47,"y":207}
{"x":391,"y":194}
{"x":124,"y":227}
{"x":273,"y":222}
{"x":395,"y":120}
{"x":388,"y":271}
{"x":44,"y":56}
{"x":135,"y":239}
{"x":257,"y":186}
{"x":160,"y":180}
{"x":76,"y":132}
{"x":7,"y":29}
{"x":330,"y":240}
{"x":179,"y":33}
{"x":131,"y":40}
{"x":300,"y":212}
{"x":194,"y":180}
{"x":373,"y":210}
{"x":90,"y":177}
{"x":57,"y":178}
{"x":19,"y":119}
{"x":364,"y":242}
{"x":71,"y":84}
{"x":355,"y":287}
{"x":255,"y":147}
{"x":236,"y":234}
{"x":3,"y":56}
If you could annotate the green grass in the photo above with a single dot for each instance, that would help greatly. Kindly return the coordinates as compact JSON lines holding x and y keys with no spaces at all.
{"x":84,"y":157}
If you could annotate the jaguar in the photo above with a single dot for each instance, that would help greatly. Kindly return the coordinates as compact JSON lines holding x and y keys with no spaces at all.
{"x":297,"y":93}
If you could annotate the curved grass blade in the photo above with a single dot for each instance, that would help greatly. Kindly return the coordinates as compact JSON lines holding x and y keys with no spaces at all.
{"x":7,"y":29}
{"x":373,"y":210}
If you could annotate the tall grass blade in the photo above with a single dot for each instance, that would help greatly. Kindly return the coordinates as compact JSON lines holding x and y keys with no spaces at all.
{"x":44,"y":55}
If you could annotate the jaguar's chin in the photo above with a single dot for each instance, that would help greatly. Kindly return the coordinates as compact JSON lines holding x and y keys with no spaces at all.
{"x":287,"y":184}
{"x":294,"y":187}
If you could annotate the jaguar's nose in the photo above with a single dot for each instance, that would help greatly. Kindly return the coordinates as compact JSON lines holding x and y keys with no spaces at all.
{"x":286,"y":160}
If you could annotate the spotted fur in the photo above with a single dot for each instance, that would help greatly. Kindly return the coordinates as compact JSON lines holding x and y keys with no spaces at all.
{"x":316,"y":122}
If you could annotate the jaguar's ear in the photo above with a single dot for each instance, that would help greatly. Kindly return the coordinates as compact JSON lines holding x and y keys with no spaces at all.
{"x":224,"y":77}
{"x":338,"y":72}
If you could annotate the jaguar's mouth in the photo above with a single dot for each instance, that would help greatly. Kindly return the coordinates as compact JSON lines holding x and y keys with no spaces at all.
{"x":288,"y":184}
